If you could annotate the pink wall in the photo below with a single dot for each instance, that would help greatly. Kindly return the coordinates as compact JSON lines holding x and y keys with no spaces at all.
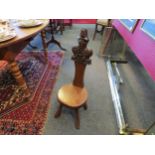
{"x":141,"y":44}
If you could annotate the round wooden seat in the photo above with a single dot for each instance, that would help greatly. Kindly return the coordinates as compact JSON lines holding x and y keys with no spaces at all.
{"x":72,"y":96}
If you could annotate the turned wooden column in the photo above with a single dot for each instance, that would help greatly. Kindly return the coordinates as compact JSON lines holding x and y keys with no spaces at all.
{"x":9,"y":55}
{"x":75,"y":95}
{"x":19,"y":77}
{"x":43,"y":37}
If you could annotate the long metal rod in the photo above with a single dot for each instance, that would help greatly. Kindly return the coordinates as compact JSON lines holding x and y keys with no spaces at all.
{"x":116,"y":99}
{"x":118,"y":73}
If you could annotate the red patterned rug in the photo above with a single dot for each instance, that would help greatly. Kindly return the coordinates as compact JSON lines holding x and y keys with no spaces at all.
{"x":20,"y":116}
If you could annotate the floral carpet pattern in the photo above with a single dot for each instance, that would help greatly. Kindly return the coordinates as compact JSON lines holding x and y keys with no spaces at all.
{"x":20,"y":116}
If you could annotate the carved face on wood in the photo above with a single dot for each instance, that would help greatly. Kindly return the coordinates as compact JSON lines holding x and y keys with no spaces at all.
{"x":83,"y":33}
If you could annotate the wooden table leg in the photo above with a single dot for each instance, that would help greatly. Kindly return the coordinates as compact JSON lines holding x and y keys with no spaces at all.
{"x":19,"y":77}
{"x":43,"y":36}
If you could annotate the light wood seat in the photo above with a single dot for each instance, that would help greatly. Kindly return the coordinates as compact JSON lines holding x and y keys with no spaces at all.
{"x":72,"y":96}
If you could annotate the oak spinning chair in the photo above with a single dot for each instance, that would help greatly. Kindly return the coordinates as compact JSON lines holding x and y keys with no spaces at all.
{"x":75,"y":95}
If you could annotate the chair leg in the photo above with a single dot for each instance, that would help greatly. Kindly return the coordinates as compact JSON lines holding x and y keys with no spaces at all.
{"x":77,"y":119}
{"x":95,"y":32}
{"x":58,"y":112}
{"x":102,"y":29}
{"x":61,"y":29}
{"x":61,"y":26}
{"x":85,"y":106}
{"x":70,"y":23}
